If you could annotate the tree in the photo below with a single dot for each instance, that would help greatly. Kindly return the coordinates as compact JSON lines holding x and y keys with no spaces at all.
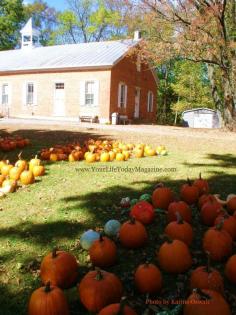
{"x":11,"y":17}
{"x":45,"y":19}
{"x":191,"y":86}
{"x":199,"y":31}
{"x":89,"y":20}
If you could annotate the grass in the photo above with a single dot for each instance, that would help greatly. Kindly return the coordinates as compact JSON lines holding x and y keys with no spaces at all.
{"x":57,"y":209}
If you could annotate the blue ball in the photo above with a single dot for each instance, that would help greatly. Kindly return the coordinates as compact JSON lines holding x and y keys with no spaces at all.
{"x":112,"y":227}
{"x":87,"y":239}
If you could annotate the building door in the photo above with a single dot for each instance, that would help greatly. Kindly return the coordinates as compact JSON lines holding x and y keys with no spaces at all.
{"x":137,"y":102}
{"x":59,"y":99}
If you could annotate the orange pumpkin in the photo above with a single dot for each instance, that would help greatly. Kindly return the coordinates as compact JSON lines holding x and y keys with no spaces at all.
{"x":2,"y":178}
{"x":202,"y":185}
{"x":48,"y":300}
{"x":229,"y":224}
{"x":133,"y":234}
{"x":60,"y":268}
{"x":104,"y":157}
{"x":98,"y":289}
{"x":180,"y":230}
{"x":179,"y":251}
{"x":205,"y":277}
{"x":205,"y":198}
{"x":103,"y":252}
{"x":33,"y":162}
{"x":204,"y":302}
{"x":38,"y":170}
{"x":90,"y":157}
{"x":148,"y":278}
{"x":27,"y":178}
{"x":209,"y":211}
{"x":162,"y":197}
{"x":6,"y":168}
{"x":217,"y":242}
{"x":120,"y":157}
{"x":230,"y":269}
{"x":231,"y":205}
{"x":15,"y":173}
{"x":117,"y":309}
{"x":189,"y":193}
{"x":112,"y":155}
{"x":182,"y":208}
{"x":21,"y":164}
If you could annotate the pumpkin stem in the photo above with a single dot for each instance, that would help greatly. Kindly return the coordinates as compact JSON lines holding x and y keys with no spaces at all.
{"x":47,"y":287}
{"x":179,"y":218}
{"x":189,"y":182}
{"x":122,"y":306}
{"x":20,"y":156}
{"x":159,"y":185}
{"x":200,"y":175}
{"x":54,"y":252}
{"x":101,"y":237}
{"x":166,"y":238}
{"x":219,"y":226}
{"x":99,"y":275}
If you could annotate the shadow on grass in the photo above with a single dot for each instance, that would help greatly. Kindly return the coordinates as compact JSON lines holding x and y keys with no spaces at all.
{"x":102,"y":206}
{"x":222,"y":160}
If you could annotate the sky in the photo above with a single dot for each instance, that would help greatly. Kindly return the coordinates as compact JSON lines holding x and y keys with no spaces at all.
{"x":58,"y":4}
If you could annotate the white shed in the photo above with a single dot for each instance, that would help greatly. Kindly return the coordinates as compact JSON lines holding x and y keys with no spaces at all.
{"x":201,"y":118}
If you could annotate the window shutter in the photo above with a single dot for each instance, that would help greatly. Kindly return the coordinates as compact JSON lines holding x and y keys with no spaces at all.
{"x":82,"y":93}
{"x":126,"y":90}
{"x":35,"y":94}
{"x":9,"y":94}
{"x":24,"y":94}
{"x":148,"y":96}
{"x":152,"y":102}
{"x":119,"y":94}
{"x":96,"y":93}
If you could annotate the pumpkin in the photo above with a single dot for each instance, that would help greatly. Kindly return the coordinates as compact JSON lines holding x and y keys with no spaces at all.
{"x":90,"y":157}
{"x":2,"y":163}
{"x":150,"y":152}
{"x":98,"y":289}
{"x":48,"y":300}
{"x":180,"y":230}
{"x":14,"y":173}
{"x":72,"y":157}
{"x":5,"y":170}
{"x":143,"y":212}
{"x":182,"y":208}
{"x":103,"y":252}
{"x":230,"y":269}
{"x":34,"y":161}
{"x":162,"y":197}
{"x":112,"y":155}
{"x":205,"y":198}
{"x":9,"y":185}
{"x":45,"y":155}
{"x":205,"y":277}
{"x":209,"y":211}
{"x":104,"y":157}
{"x":27,"y":178}
{"x":202,"y":185}
{"x":217,"y":242}
{"x":117,"y":309}
{"x":21,"y":164}
{"x":133,"y":234}
{"x":189,"y":193}
{"x":229,"y":224}
{"x":126,"y":154}
{"x":148,"y":278}
{"x":204,"y":302}
{"x":231,"y":205}
{"x":174,"y":256}
{"x":87,"y":239}
{"x":2,"y":178}
{"x":60,"y":268}
{"x":38,"y":170}
{"x":112,"y":227}
{"x":139,"y":152}
{"x":120,"y":157}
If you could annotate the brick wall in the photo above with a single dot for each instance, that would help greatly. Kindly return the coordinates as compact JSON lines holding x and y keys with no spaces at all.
{"x":126,"y":71}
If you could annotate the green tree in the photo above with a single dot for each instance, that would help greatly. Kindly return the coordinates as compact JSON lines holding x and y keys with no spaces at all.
{"x":11,"y":17}
{"x":191,"y":86}
{"x":89,"y":20}
{"x":45,"y":19}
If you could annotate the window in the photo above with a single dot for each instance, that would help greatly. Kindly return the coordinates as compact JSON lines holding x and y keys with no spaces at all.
{"x":89,"y":93}
{"x":122,"y":95}
{"x":27,"y":39}
{"x":30,"y":93}
{"x":35,"y":39}
{"x":5,"y":94}
{"x":60,"y":86}
{"x":150,"y":102}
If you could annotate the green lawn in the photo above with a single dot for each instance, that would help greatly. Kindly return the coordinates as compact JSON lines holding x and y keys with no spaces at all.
{"x":64,"y":203}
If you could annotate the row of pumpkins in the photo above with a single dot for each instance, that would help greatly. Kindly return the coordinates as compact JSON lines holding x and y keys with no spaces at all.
{"x":12,"y":143}
{"x":101,"y":292}
{"x":21,"y":173}
{"x":100,"y":150}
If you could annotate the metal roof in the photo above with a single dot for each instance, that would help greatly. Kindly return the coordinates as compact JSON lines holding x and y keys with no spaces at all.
{"x":95,"y":54}
{"x":199,"y":108}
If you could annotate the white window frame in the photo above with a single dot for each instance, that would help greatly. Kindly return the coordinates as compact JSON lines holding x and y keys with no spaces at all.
{"x":25,"y":93}
{"x":122,"y":103}
{"x":150,"y":99}
{"x":8,"y":103}
{"x":82,"y":92}
{"x":89,"y":95}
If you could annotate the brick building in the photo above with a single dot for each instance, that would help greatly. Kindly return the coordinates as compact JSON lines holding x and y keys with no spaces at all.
{"x":79,"y":80}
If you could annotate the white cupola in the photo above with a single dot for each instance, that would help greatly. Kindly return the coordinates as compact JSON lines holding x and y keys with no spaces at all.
{"x":29,"y":35}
